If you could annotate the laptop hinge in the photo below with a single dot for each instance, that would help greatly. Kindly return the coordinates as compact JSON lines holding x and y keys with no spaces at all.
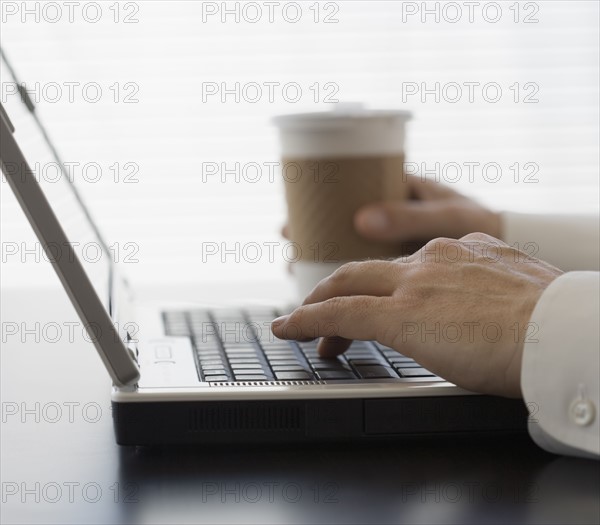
{"x":126,"y":388}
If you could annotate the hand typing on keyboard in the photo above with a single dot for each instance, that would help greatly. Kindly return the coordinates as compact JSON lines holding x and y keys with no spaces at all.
{"x":460,"y":308}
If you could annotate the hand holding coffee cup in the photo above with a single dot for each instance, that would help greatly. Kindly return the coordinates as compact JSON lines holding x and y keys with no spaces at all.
{"x":335,"y":163}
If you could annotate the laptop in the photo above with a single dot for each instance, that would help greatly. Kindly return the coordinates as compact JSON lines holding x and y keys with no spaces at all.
{"x":219,"y":376}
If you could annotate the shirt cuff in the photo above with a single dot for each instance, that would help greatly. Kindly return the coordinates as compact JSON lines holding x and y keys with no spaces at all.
{"x":561,"y":363}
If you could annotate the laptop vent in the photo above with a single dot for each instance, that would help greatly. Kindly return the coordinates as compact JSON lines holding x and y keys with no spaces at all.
{"x":242,"y":419}
{"x":269,"y":383}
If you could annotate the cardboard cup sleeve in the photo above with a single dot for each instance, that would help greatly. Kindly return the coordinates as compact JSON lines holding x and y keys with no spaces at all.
{"x":323,"y":196}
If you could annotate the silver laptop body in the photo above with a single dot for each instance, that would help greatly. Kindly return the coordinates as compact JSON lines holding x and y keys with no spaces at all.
{"x":163,"y":391}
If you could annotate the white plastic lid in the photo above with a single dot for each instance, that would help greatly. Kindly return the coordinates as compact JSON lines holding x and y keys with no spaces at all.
{"x":342,"y":114}
{"x":348,"y":130}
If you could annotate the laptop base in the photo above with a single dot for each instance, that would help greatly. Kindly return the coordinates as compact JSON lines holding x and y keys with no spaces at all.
{"x":212,"y":422}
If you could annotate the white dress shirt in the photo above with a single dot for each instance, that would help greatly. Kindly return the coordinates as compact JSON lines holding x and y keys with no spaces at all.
{"x":560,"y":375}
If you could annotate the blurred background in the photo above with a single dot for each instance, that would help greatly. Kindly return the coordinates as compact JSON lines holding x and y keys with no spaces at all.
{"x":504,"y":96}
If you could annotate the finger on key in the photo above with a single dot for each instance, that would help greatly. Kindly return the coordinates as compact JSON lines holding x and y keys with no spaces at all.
{"x":357,"y":317}
{"x":333,"y":346}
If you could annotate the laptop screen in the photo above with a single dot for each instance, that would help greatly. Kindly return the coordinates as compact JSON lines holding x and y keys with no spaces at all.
{"x":58,"y":188}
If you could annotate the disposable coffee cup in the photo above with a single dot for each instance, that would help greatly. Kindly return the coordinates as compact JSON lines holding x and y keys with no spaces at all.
{"x":334,"y":163}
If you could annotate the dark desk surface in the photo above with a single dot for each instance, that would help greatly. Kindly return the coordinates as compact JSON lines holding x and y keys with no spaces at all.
{"x":60,"y":463}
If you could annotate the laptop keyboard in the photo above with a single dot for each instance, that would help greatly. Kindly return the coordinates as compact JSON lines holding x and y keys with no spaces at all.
{"x":237,"y":345}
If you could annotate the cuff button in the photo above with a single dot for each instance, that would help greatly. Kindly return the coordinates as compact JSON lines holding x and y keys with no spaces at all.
{"x":583,"y":412}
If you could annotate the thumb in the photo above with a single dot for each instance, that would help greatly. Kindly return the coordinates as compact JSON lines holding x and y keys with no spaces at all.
{"x":403,"y":221}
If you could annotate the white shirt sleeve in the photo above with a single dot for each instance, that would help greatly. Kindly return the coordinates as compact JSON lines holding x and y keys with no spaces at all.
{"x":561,"y":364}
{"x":560,"y":372}
{"x":569,"y":242}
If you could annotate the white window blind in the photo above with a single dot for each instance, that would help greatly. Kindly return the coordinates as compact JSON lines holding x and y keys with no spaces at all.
{"x":543,"y":56}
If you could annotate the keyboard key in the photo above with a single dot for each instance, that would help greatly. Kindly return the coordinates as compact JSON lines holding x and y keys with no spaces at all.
{"x":402,"y":359}
{"x":341,"y":368}
{"x":288,"y":368}
{"x":326,"y":361}
{"x":213,"y":354}
{"x":212,"y":367}
{"x":207,"y":347}
{"x":276,"y":349}
{"x":363,"y":355}
{"x":206,"y":342}
{"x":409,"y":364}
{"x":375,"y":372}
{"x":240,"y":349}
{"x":246,"y":366}
{"x":276,"y":362}
{"x":214,"y":372}
{"x":335,"y":374}
{"x":232,"y":338}
{"x":310,"y":357}
{"x":363,"y":362}
{"x":415,"y":372}
{"x":330,"y":366}
{"x":217,"y":378}
{"x":319,"y":359}
{"x":243,"y":355}
{"x":292,"y":376}
{"x":244,"y":360}
{"x":250,"y":377}
{"x":281,"y":355}
{"x":392,"y":354}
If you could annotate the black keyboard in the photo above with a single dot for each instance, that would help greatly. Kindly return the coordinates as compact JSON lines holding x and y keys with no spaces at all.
{"x":237,"y":345}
